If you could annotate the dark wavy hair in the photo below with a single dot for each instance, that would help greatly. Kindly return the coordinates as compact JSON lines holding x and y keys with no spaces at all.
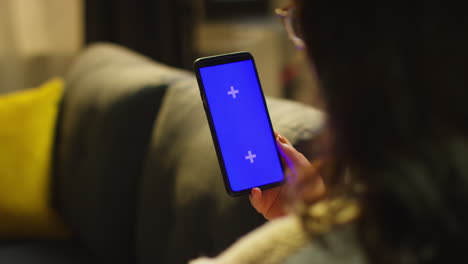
{"x":394,"y":78}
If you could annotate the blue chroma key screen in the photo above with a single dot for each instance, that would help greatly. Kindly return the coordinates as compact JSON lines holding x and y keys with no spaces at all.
{"x":242,"y":125}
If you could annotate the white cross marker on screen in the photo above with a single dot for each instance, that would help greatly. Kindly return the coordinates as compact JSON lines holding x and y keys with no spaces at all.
{"x":233,"y":92}
{"x":251,"y":157}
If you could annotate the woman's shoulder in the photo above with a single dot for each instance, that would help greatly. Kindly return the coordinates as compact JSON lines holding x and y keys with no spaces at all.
{"x":273,"y":242}
{"x":285,"y":241}
{"x":340,"y":245}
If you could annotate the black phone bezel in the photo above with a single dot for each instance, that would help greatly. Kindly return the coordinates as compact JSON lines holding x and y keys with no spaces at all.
{"x":219,"y":60}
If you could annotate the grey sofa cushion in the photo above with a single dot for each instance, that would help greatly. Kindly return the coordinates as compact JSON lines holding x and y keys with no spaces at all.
{"x":185,"y":211}
{"x":111,"y":101}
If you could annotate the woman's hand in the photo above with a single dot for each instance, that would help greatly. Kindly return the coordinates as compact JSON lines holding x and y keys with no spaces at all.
{"x":271,"y":203}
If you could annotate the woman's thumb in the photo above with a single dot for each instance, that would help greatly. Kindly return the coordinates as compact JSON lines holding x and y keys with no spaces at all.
{"x":293,"y":158}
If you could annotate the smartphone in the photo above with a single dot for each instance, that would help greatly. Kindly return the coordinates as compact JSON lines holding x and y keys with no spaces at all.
{"x":239,"y":121}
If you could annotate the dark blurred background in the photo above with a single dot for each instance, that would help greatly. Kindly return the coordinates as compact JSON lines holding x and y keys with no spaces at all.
{"x":39,"y":38}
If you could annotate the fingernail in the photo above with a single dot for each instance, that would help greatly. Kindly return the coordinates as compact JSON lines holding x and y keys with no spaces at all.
{"x":281,"y":139}
{"x":254,"y":193}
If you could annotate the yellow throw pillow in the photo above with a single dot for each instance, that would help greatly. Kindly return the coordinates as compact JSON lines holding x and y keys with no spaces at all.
{"x":27,"y":133}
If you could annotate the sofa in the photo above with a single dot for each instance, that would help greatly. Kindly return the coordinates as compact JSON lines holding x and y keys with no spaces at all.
{"x":136,"y":178}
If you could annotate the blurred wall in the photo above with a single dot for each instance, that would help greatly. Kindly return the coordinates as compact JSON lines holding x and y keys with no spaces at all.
{"x":38,"y":38}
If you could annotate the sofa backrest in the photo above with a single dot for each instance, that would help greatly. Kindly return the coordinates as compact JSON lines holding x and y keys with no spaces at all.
{"x":137,"y":174}
{"x":111,"y":100}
